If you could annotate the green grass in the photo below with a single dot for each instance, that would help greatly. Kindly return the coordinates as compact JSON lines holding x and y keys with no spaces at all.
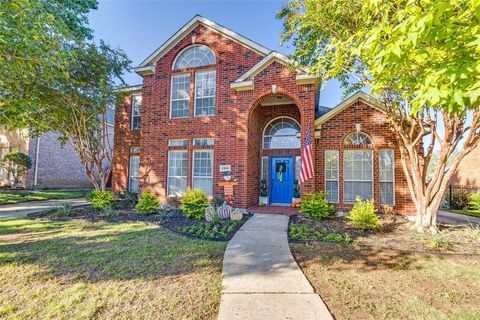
{"x":12,"y":197}
{"x":84,"y":270}
{"x":467,"y":212}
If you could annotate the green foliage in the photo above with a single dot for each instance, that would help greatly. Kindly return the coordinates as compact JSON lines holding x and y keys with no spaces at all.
{"x":101,"y":199}
{"x":474,"y":201}
{"x":127,"y":198}
{"x":363,"y":214}
{"x":16,"y":164}
{"x":296,"y":189}
{"x":263,"y":188}
{"x":194,"y":203}
{"x":212,"y":230}
{"x":306,"y":232}
{"x":459,"y":198}
{"x":63,"y":209}
{"x":436,"y":241}
{"x":147,"y":203}
{"x":316,"y":207}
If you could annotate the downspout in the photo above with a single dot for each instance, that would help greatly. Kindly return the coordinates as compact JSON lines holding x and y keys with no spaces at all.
{"x":37,"y":155}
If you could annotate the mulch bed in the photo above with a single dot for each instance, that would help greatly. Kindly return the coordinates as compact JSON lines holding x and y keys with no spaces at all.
{"x":173,"y":220}
{"x":397,"y":234}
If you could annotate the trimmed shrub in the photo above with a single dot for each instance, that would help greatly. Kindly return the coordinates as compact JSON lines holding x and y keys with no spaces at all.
{"x":316,"y":207}
{"x":194,"y":203}
{"x":127,"y":198}
{"x":474,"y":201}
{"x":459,"y":199}
{"x":363,"y":214}
{"x":101,"y":199}
{"x":147,"y":203}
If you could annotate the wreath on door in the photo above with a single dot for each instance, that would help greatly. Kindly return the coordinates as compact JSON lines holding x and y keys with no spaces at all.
{"x":280,"y":168}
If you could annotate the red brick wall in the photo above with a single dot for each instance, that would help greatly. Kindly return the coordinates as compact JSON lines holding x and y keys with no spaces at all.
{"x":374,"y":124}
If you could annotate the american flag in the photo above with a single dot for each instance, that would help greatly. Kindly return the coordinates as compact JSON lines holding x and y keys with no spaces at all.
{"x":307,"y":161}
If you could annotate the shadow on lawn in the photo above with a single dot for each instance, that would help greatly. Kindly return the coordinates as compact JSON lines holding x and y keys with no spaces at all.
{"x":341,"y":257}
{"x":112,"y":255}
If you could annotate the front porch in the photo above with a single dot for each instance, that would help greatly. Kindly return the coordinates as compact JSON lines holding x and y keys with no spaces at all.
{"x":283,"y":210}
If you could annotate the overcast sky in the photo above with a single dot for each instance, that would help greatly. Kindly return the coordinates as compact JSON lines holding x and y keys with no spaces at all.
{"x":140,"y":27}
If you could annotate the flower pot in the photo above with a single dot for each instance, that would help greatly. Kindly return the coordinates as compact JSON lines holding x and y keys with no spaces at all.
{"x":296,"y":200}
{"x":263,"y":200}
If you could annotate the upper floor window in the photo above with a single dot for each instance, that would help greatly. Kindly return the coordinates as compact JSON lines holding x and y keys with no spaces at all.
{"x":358,"y":138}
{"x":180,"y":100}
{"x":205,"y":93}
{"x":282,"y":133}
{"x":194,"y":56}
{"x":136,"y":109}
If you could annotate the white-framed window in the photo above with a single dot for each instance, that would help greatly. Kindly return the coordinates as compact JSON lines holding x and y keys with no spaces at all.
{"x":282,"y":133}
{"x":135,"y":150}
{"x":178,"y":143}
{"x":358,"y":138}
{"x":264,"y":168}
{"x":133,"y":173}
{"x":177,"y":172}
{"x":202,"y":171}
{"x":331,"y":175}
{"x":136,"y":111}
{"x":298,"y":167}
{"x":205,"y":93}
{"x":180,"y":96}
{"x":203,"y":142}
{"x":387,"y":176}
{"x":357,"y":175}
{"x":194,"y":56}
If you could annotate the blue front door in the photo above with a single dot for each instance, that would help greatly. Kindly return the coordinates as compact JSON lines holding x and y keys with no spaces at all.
{"x":281,"y":179}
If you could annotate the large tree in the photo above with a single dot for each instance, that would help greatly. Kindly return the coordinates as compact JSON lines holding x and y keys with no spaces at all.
{"x":420,"y":58}
{"x":54,"y":77}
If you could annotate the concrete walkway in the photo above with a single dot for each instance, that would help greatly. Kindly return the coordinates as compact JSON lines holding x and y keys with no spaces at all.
{"x":457,"y":219}
{"x":24,"y":208}
{"x":262,"y":279}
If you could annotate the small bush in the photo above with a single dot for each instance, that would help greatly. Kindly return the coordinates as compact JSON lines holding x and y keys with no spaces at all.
{"x":306,"y":232}
{"x":194,"y":204}
{"x":437,"y":241}
{"x":16,"y":164}
{"x":63,"y":209}
{"x":474,"y":201}
{"x":363,"y":214}
{"x":127,"y":198}
{"x":459,"y":199}
{"x":147,"y":204}
{"x":316,"y":207}
{"x":101,"y":199}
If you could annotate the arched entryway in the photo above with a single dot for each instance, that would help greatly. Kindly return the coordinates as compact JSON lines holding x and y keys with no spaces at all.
{"x":274,"y":148}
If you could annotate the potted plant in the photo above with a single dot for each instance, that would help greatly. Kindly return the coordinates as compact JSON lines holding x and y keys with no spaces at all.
{"x":263,"y":199}
{"x":296,"y":193}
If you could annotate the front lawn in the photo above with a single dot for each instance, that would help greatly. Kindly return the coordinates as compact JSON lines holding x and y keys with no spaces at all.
{"x":358,"y":283}
{"x":12,"y":197}
{"x":467,"y":212}
{"x":100,"y":270}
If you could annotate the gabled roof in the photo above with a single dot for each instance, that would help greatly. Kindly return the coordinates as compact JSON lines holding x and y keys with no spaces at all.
{"x":147,"y":66}
{"x":245,"y":82}
{"x":359,"y":96}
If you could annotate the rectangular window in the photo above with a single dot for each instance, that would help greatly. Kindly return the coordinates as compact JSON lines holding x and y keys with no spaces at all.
{"x":331,"y":175}
{"x":136,"y":111}
{"x":180,"y":96}
{"x":133,"y":174}
{"x":178,"y":143}
{"x":203,"y":142}
{"x":298,"y":167}
{"x":358,"y":175}
{"x":387,"y":176}
{"x":205,"y":93}
{"x":202,"y":171}
{"x":264,"y":168}
{"x":177,"y":172}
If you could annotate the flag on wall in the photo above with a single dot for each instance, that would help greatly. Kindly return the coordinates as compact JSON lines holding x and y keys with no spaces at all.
{"x":307,"y":160}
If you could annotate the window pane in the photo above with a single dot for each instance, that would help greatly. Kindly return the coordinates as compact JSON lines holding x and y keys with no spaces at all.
{"x":332,"y":190}
{"x":358,"y":174}
{"x":362,"y":189}
{"x":387,"y":184}
{"x":203,"y":142}
{"x":194,"y":56}
{"x":331,"y":175}
{"x":136,"y":111}
{"x":298,"y":167}
{"x":203,"y":171}
{"x":282,"y":133}
{"x":180,"y":96}
{"x":386,"y":192}
{"x":177,"y":172}
{"x":133,"y":174}
{"x":205,"y":93}
{"x":178,"y":143}
{"x":265,"y":167}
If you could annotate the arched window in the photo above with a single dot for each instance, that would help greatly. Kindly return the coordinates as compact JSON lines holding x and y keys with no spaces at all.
{"x":358,"y":138}
{"x":194,"y":56}
{"x":282,"y":133}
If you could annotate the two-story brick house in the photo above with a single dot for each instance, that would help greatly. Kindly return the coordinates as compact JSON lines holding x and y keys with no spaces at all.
{"x":211,"y":98}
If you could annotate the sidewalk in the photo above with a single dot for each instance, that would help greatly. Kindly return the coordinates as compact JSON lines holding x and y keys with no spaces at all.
{"x":24,"y":208}
{"x":456,"y":219}
{"x":262,"y":279}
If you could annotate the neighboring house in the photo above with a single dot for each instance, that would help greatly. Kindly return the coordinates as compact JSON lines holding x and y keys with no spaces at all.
{"x":212,"y":100}
{"x":468,"y":172}
{"x":53,"y":165}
